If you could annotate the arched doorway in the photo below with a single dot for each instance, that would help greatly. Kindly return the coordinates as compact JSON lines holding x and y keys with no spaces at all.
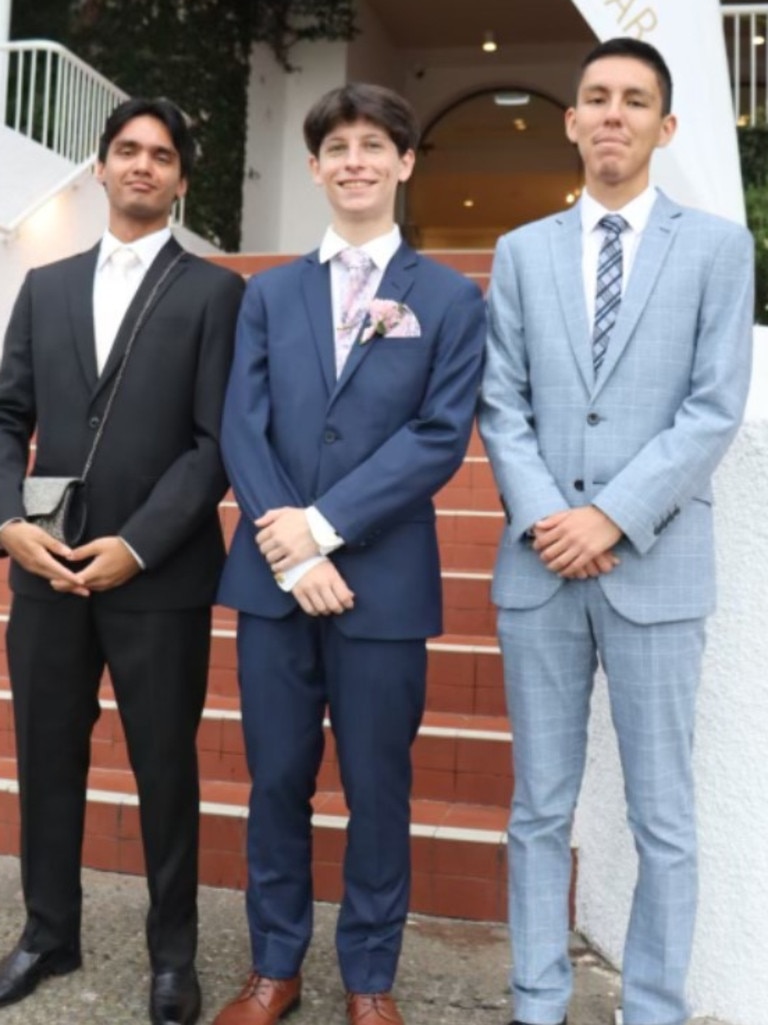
{"x":489,"y":162}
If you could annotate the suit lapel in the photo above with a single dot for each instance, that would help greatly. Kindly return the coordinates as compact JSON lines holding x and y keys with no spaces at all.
{"x":316,"y":289}
{"x":169,"y":251}
{"x":395,"y":284}
{"x":80,"y":295}
{"x":566,"y":253}
{"x":649,"y":259}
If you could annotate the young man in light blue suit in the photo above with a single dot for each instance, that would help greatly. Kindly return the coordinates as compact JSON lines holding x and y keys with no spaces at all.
{"x":617,"y":372}
{"x":350,"y":404}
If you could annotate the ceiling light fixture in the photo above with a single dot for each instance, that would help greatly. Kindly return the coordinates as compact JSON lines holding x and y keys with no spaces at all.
{"x":511,"y":99}
{"x":758,"y":40}
{"x":489,"y":41}
{"x":469,"y":202}
{"x":520,"y":124}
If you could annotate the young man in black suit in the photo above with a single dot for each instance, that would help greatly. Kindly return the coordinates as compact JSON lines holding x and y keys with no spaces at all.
{"x":136,"y":594}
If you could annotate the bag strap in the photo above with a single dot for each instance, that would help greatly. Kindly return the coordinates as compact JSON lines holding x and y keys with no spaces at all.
{"x":121,"y":369}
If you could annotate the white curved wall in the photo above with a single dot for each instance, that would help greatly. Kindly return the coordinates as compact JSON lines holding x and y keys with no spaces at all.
{"x":729,"y":974}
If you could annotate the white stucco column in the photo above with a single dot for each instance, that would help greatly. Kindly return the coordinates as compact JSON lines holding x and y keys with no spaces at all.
{"x":5,"y":34}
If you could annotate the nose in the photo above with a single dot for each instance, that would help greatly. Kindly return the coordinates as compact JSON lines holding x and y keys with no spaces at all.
{"x":354,"y":155}
{"x":142,"y":160}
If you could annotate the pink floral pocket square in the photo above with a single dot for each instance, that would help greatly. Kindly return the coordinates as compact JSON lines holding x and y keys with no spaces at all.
{"x":388,"y":318}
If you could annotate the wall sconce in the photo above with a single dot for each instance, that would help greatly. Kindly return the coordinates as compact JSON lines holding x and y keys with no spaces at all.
{"x":489,"y":42}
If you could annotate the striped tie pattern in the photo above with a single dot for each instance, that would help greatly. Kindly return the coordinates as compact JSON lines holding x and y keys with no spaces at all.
{"x":609,"y":278}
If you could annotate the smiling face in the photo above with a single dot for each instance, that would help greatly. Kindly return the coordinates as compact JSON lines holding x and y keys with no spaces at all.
{"x":359,"y":167}
{"x":617,"y":123}
{"x":142,"y":178}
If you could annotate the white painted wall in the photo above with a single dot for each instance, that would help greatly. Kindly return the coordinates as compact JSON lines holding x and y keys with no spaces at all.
{"x":283,"y":210}
{"x":729,"y":974}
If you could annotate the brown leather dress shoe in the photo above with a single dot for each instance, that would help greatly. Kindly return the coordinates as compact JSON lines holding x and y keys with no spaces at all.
{"x":372,"y":1009}
{"x":263,"y":1001}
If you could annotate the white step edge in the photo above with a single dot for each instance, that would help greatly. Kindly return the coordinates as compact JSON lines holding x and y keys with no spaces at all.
{"x":425,"y":730}
{"x":319,"y":821}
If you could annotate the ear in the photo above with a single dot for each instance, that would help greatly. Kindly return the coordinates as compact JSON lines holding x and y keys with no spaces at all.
{"x":667,"y":131}
{"x":407,"y":160}
{"x":99,"y":172}
{"x":314,"y":169}
{"x":570,"y":124}
{"x":181,"y":188}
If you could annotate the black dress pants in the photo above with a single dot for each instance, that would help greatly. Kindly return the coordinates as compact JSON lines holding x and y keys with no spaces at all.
{"x":158,"y":662}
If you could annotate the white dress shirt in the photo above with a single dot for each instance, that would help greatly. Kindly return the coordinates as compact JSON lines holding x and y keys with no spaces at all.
{"x":381,"y":250}
{"x":635,"y":213}
{"x":111,"y":297}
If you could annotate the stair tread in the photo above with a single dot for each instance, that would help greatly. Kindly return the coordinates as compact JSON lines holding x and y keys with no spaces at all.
{"x":425,"y":814}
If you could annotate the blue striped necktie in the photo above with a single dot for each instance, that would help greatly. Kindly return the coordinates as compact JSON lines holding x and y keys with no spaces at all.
{"x":609,"y":277}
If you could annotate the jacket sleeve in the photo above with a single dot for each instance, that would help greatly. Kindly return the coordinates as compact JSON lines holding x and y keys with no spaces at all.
{"x":506,"y":421}
{"x":255,"y":472}
{"x":677,"y":464}
{"x":187,"y":494}
{"x":17,"y":405}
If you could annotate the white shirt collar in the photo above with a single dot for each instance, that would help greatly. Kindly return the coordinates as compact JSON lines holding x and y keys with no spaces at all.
{"x":635,"y":213}
{"x":146,"y":248}
{"x":381,"y":249}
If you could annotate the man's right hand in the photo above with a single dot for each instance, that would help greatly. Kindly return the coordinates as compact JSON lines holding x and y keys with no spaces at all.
{"x":322,"y":591}
{"x":34,"y":550}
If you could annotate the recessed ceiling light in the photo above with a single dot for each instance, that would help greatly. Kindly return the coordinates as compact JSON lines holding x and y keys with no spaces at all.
{"x":469,"y":202}
{"x":511,"y":99}
{"x":758,"y":40}
{"x":520,"y":124}
{"x":489,"y":41}
{"x":570,"y":198}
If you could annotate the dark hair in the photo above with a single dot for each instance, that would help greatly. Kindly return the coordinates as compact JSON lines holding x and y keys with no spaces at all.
{"x":164,"y":111}
{"x":624,"y":46}
{"x":356,"y":100}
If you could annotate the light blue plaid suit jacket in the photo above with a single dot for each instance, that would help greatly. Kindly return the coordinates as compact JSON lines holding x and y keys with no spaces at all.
{"x":642,"y":441}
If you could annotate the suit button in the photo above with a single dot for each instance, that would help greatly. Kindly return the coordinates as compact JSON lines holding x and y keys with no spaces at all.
{"x":329,"y":437}
{"x":94,"y":422}
{"x":593,"y":418}
{"x":579,"y":485}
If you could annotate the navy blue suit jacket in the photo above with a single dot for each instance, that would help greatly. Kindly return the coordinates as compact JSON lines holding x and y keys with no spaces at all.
{"x":369,"y":450}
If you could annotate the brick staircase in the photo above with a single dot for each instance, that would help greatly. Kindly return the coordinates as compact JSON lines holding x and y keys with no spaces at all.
{"x":462,"y":778}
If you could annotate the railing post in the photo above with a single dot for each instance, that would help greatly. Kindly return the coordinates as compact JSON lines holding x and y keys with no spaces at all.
{"x":5,"y":32}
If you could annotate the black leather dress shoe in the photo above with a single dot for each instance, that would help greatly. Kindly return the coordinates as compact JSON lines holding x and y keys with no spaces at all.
{"x":22,"y":970}
{"x":174,"y":998}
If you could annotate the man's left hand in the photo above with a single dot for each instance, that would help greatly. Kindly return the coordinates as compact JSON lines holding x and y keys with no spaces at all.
{"x":111,"y":565}
{"x":284,"y":538}
{"x":568,"y":541}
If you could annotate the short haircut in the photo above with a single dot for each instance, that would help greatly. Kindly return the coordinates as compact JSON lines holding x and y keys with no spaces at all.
{"x":624,"y":46}
{"x":361,"y":100}
{"x":164,"y":111}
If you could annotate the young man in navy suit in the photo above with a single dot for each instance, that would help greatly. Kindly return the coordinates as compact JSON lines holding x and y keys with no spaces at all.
{"x":350,"y":404}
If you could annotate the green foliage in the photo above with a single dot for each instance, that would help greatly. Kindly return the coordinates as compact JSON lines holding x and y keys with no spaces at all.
{"x":196,"y":52}
{"x":753,"y":147}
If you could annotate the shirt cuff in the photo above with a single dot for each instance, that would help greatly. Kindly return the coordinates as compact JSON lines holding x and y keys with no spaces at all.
{"x":325,"y":537}
{"x":288,"y":580}
{"x":134,"y":553}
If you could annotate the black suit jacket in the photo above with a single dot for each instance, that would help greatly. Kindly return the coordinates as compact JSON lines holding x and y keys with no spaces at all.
{"x":157,"y":477}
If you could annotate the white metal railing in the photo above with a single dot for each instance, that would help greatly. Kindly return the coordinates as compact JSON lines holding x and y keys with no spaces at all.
{"x":746,"y":37}
{"x":56,"y":99}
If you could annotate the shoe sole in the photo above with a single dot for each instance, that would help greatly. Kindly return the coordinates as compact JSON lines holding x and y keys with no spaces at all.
{"x":63,"y":967}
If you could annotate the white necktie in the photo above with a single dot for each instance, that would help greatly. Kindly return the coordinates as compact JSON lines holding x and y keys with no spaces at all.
{"x":122,"y":275}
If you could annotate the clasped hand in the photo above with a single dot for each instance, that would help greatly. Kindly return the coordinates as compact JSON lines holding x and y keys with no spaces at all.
{"x":110,"y":565}
{"x":576,"y":543}
{"x":284,"y":538}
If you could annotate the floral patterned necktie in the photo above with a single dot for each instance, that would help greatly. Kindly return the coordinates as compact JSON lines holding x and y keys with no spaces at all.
{"x":355,"y":299}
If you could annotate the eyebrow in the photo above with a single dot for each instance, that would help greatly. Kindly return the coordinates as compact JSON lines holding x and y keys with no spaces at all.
{"x":135,"y":144}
